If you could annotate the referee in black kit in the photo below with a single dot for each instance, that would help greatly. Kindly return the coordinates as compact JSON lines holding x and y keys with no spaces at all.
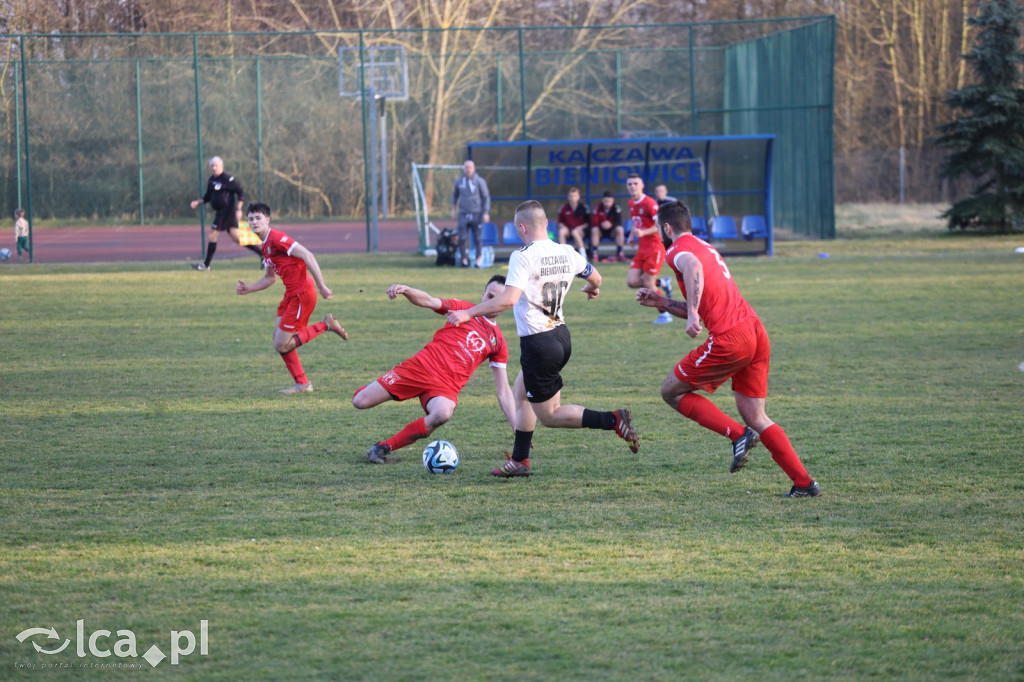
{"x":226,"y":196}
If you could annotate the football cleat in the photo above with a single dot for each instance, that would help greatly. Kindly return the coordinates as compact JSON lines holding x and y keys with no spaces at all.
{"x":666,"y":285}
{"x":512,"y":468}
{"x":201,"y":267}
{"x":378,"y":453}
{"x":297,"y":388}
{"x":334,"y":326}
{"x":624,"y":429}
{"x":813,"y":490}
{"x":741,"y":449}
{"x":664,"y":318}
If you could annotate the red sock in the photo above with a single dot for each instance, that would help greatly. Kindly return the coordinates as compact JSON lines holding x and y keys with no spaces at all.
{"x":706,"y":413}
{"x":294,"y":365}
{"x":777,"y":442}
{"x":411,"y":433}
{"x":308,"y":333}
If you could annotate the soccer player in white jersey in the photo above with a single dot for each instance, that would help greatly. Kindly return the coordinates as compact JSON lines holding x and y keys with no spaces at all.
{"x":539,"y":275}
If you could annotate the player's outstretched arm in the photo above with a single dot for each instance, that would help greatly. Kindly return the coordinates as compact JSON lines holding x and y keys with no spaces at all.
{"x":651,"y":298}
{"x":506,"y":400}
{"x":415,"y":296}
{"x":492,"y":306}
{"x":262,"y":283}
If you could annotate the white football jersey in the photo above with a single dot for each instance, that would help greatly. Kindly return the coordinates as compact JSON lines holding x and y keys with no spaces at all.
{"x":544,"y":271}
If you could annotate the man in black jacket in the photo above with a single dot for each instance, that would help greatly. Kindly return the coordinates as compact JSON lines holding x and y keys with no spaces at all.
{"x":226,"y":196}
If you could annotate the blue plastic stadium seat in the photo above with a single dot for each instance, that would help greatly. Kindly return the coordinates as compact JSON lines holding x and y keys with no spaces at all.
{"x":509,"y":234}
{"x":752,"y":226}
{"x":553,"y":230}
{"x":489,"y":232}
{"x":700,"y":227}
{"x":723,"y":227}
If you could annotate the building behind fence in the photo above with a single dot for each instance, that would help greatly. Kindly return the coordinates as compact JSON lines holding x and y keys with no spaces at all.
{"x":118,"y":128}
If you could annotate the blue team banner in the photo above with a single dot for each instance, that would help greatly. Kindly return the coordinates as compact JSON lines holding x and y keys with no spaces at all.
{"x":609,"y":164}
{"x":717,"y":176}
{"x":549,"y":167}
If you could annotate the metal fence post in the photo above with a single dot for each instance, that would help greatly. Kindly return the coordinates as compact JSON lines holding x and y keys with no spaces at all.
{"x":28,"y":156}
{"x":259,"y":127}
{"x":522,"y":82}
{"x":138,"y":134}
{"x":199,"y":147}
{"x":366,"y":151}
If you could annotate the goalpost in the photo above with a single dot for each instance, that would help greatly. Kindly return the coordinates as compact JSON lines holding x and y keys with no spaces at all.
{"x":439,"y":180}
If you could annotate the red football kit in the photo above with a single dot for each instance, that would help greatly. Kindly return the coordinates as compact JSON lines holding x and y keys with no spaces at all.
{"x":300,"y":292}
{"x":737,"y":345}
{"x":573,"y":218}
{"x":444,"y":366}
{"x":650,"y":253}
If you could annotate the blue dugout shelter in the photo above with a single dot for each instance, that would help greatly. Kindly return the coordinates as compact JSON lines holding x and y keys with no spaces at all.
{"x":725,"y":180}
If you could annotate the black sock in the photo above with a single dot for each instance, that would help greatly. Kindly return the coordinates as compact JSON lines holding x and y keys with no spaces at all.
{"x":211,"y":249}
{"x":521,"y":449}
{"x":592,"y":419}
{"x":255,"y":249}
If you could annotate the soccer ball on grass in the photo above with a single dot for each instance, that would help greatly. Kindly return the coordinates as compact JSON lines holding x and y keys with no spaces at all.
{"x":440,"y":457}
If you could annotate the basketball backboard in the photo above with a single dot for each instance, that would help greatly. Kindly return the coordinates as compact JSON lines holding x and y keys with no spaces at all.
{"x":384,"y":70}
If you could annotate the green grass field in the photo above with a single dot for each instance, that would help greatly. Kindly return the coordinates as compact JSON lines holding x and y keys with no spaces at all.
{"x":152,"y":479}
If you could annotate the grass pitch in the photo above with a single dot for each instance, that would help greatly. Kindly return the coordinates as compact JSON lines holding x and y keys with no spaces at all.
{"x":153,"y":479}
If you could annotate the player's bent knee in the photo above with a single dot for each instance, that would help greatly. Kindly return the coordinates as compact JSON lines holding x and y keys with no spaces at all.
{"x":671,"y":397}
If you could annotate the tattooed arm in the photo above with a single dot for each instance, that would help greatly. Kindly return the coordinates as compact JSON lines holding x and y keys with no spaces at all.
{"x":693,"y":277}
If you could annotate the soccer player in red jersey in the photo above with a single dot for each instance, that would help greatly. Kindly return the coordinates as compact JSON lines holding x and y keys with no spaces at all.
{"x":298,"y":269}
{"x":737,"y":348}
{"x":650,"y":251}
{"x":438,"y":373}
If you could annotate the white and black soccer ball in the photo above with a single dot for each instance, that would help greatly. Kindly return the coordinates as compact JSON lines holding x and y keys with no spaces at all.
{"x":5,"y":254}
{"x":440,"y":457}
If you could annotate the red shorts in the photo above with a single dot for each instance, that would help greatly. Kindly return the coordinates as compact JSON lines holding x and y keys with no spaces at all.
{"x":742,"y":353}
{"x":295,"y":309}
{"x":412,"y":379}
{"x":649,"y":260}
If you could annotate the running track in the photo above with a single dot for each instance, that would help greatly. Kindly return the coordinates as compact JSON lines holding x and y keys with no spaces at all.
{"x":183,"y":242}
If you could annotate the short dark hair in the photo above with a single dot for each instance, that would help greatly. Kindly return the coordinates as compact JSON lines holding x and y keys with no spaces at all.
{"x":608,"y":193}
{"x":675,"y":214}
{"x":635,"y":175}
{"x":500,"y":279}
{"x":258,"y":207}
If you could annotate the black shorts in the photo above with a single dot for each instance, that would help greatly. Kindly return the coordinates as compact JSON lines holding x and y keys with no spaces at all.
{"x":225,"y":219}
{"x":542,"y":357}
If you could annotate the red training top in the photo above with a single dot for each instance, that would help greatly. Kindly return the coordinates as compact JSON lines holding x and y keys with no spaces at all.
{"x":573,"y":218}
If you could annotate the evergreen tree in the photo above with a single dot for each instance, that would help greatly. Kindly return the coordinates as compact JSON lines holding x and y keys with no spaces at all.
{"x":988,"y":140}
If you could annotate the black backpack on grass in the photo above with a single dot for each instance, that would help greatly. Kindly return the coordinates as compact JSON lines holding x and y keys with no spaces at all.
{"x":447,"y":247}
